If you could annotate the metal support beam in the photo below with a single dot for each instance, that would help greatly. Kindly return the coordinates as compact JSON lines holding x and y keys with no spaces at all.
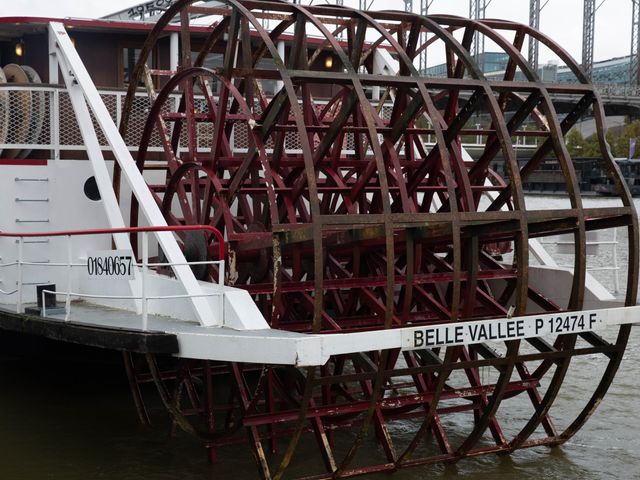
{"x":424,"y":10}
{"x":477,"y":10}
{"x":339,"y":3}
{"x":53,"y":61}
{"x":80,"y":84}
{"x":634,"y":61}
{"x":174,"y":51}
{"x":534,"y":22}
{"x":588,"y":32}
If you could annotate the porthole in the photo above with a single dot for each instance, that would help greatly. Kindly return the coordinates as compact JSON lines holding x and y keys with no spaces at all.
{"x":91,"y":189}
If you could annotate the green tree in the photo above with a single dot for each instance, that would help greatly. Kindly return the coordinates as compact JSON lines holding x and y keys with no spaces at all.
{"x":579,"y":146}
{"x":619,"y":142}
{"x":575,"y":143}
{"x":631,"y":130}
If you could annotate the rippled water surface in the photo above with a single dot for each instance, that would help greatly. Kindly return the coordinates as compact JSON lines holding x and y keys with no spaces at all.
{"x":65,"y":420}
{"x":62,"y":419}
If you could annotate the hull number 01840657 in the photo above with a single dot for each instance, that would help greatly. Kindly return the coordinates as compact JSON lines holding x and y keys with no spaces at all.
{"x":110,"y":264}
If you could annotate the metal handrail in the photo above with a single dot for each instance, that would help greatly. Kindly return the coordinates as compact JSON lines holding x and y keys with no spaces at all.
{"x":55,"y":122}
{"x":144,"y":265}
{"x":614,"y":267}
{"x":106,"y":231}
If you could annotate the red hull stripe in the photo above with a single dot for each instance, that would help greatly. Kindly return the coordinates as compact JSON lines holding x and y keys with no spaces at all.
{"x":7,"y":161}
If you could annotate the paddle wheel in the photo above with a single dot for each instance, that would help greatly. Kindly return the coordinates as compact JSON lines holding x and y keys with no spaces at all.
{"x":348,"y":205}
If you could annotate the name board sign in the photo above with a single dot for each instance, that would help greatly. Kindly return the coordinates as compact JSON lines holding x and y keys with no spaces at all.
{"x":112,"y":264}
{"x":148,"y":9}
{"x":516,"y":328}
{"x":143,"y":11}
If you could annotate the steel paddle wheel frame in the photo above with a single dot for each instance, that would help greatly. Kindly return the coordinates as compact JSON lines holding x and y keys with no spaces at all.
{"x":338,"y":217}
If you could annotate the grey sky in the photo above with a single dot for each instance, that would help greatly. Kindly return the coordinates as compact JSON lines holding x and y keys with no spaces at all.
{"x":560,"y":19}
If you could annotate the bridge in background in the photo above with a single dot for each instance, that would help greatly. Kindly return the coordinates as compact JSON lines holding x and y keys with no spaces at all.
{"x":617,"y":100}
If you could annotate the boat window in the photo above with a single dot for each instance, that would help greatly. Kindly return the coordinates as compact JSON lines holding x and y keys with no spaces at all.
{"x":268,"y":86}
{"x":130,"y":56}
{"x":211,"y":61}
{"x":215,"y":60}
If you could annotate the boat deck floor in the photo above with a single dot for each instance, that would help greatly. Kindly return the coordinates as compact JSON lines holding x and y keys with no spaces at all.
{"x":111,"y":328}
{"x":95,"y":326}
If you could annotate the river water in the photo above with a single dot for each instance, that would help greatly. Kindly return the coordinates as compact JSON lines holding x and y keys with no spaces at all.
{"x":66,"y":419}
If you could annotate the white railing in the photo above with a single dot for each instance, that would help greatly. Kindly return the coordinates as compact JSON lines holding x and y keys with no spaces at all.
{"x":142,"y":269}
{"x":565,"y":246}
{"x":616,"y":90}
{"x":42,"y":118}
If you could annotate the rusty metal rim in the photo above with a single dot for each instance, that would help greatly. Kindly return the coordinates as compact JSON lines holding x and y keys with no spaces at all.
{"x":240,"y":12}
